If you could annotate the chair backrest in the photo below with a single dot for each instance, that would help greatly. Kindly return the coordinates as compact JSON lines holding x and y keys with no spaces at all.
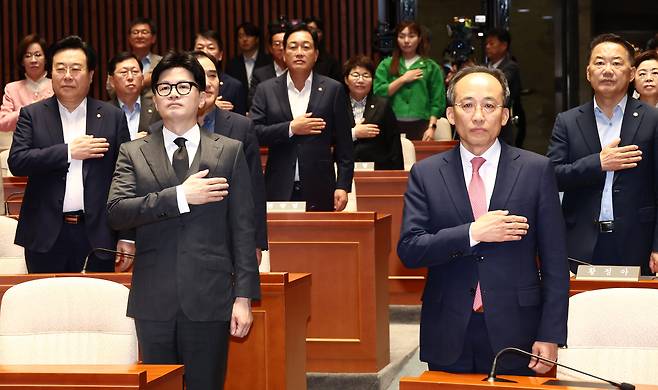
{"x":7,"y":235}
{"x":13,"y":265}
{"x":611,"y":333}
{"x":408,"y":153}
{"x":615,"y":317}
{"x":443,"y":130}
{"x":67,"y":320}
{"x":4,"y":165}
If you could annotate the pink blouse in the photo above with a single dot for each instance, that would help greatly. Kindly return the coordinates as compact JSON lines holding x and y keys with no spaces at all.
{"x":21,"y":93}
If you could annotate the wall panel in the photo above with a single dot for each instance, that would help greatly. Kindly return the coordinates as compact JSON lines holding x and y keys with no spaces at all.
{"x":348,"y":24}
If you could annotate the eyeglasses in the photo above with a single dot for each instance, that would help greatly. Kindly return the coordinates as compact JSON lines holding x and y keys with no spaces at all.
{"x":364,"y":76}
{"x":182,"y":88}
{"x":73,"y":70}
{"x":487,"y":107}
{"x":142,"y":32}
{"x":132,"y":72}
{"x":36,"y":54}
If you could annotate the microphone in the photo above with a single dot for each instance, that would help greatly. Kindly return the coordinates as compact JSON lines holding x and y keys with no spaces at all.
{"x":580,"y":262}
{"x":94,"y":250}
{"x":492,"y":375}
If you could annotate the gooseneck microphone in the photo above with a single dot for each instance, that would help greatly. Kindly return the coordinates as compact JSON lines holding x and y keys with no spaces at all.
{"x":492,"y":375}
{"x":580,"y":262}
{"x":94,"y":250}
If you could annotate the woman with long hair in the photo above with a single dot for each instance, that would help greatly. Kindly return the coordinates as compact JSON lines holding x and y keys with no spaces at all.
{"x":413,"y":82}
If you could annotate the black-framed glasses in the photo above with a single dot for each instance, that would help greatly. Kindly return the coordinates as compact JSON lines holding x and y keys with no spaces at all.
{"x":182,"y":88}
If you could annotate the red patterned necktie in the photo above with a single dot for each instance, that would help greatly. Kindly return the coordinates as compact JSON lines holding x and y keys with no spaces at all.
{"x":478,"y":198}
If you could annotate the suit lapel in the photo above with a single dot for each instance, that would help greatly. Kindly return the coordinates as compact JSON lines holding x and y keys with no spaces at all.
{"x":317,"y":93}
{"x":371,"y":110}
{"x":94,"y":120}
{"x":156,"y":157}
{"x":587,"y":125}
{"x":506,"y":176}
{"x":145,"y":114}
{"x":282,"y":95}
{"x":211,"y":150}
{"x":56,"y":131}
{"x":223,"y":123}
{"x":453,"y":175}
{"x":633,"y":114}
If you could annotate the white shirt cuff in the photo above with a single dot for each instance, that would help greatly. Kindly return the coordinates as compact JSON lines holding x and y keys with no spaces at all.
{"x":353,"y":134}
{"x":470,"y":236}
{"x":290,"y":133}
{"x":127,"y":241}
{"x":68,"y":153}
{"x":183,"y":207}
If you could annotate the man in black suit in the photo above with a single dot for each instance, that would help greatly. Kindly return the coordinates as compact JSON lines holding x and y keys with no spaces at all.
{"x":497,"y":47}
{"x":195,"y":267}
{"x":251,"y":57}
{"x":605,"y":154}
{"x":278,"y":65}
{"x":67,"y":146}
{"x":125,"y":76}
{"x":241,"y":128}
{"x":300,"y":115}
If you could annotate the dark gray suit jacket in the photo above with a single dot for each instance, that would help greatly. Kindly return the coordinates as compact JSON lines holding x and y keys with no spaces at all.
{"x":574,"y":151}
{"x":198,"y":261}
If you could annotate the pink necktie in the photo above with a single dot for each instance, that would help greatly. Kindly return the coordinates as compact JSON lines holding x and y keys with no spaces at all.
{"x":478,"y":198}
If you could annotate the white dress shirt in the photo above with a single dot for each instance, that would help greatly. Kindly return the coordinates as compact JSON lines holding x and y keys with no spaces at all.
{"x":608,"y":129}
{"x":74,"y":125}
{"x":249,"y":63}
{"x":358,"y":108}
{"x":487,"y":171}
{"x":278,"y":70}
{"x":298,"y":105}
{"x":193,"y":137}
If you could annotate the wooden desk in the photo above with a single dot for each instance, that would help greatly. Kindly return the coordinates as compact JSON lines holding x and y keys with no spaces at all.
{"x":273,"y":355}
{"x":425,"y":149}
{"x":346,"y":254}
{"x":383,"y":192}
{"x":435,"y":380}
{"x":578,"y":286}
{"x":120,"y":377}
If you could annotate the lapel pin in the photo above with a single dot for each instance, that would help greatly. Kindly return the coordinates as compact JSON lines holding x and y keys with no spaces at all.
{"x":635,"y":114}
{"x":150,"y":111}
{"x":372,"y":106}
{"x":319,"y":88}
{"x":98,"y":115}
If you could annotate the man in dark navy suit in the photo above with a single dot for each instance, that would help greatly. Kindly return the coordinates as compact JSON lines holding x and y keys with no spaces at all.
{"x":300,"y":115}
{"x":485,"y":219}
{"x":67,"y":146}
{"x":605,"y":154}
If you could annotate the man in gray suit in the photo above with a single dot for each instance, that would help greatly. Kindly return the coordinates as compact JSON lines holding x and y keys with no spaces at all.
{"x":126,"y":79}
{"x":195,"y":266}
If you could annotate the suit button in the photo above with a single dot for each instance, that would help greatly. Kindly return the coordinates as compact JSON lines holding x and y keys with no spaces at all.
{"x":472,"y":291}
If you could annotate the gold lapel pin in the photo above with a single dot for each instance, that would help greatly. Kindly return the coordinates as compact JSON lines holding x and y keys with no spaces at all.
{"x":635,"y":114}
{"x":98,"y":115}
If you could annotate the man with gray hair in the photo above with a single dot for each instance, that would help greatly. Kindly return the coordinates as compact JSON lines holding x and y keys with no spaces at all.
{"x":478,"y":216}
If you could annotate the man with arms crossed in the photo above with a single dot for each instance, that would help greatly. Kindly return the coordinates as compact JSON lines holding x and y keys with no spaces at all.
{"x":195,"y":268}
{"x":479,"y":216}
{"x":605,"y":154}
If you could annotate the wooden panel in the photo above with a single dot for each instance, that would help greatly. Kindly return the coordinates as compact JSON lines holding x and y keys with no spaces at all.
{"x":348,"y":25}
{"x":425,"y":149}
{"x":346,"y":252}
{"x":275,"y":347}
{"x":578,"y":286}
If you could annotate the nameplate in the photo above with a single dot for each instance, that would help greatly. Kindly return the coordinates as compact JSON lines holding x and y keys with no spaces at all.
{"x":364,"y":166}
{"x":608,"y":272}
{"x":286,"y":207}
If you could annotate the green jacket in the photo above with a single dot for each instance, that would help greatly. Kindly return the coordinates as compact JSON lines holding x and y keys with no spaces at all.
{"x":419,"y":99}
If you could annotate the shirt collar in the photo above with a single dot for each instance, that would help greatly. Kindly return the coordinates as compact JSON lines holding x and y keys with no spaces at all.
{"x":35,"y":84}
{"x":307,"y":83}
{"x":251,"y":57}
{"x":621,"y":105}
{"x":360,"y":103}
{"x":278,"y":70}
{"x":491,"y":155}
{"x":124,"y":107}
{"x":82,"y":107}
{"x":193,"y":135}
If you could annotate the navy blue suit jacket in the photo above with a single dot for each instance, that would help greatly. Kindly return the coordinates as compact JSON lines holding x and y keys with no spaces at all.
{"x":230,"y":89}
{"x":523,"y":302}
{"x":574,"y":151}
{"x":272,"y":115}
{"x":38,"y":151}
